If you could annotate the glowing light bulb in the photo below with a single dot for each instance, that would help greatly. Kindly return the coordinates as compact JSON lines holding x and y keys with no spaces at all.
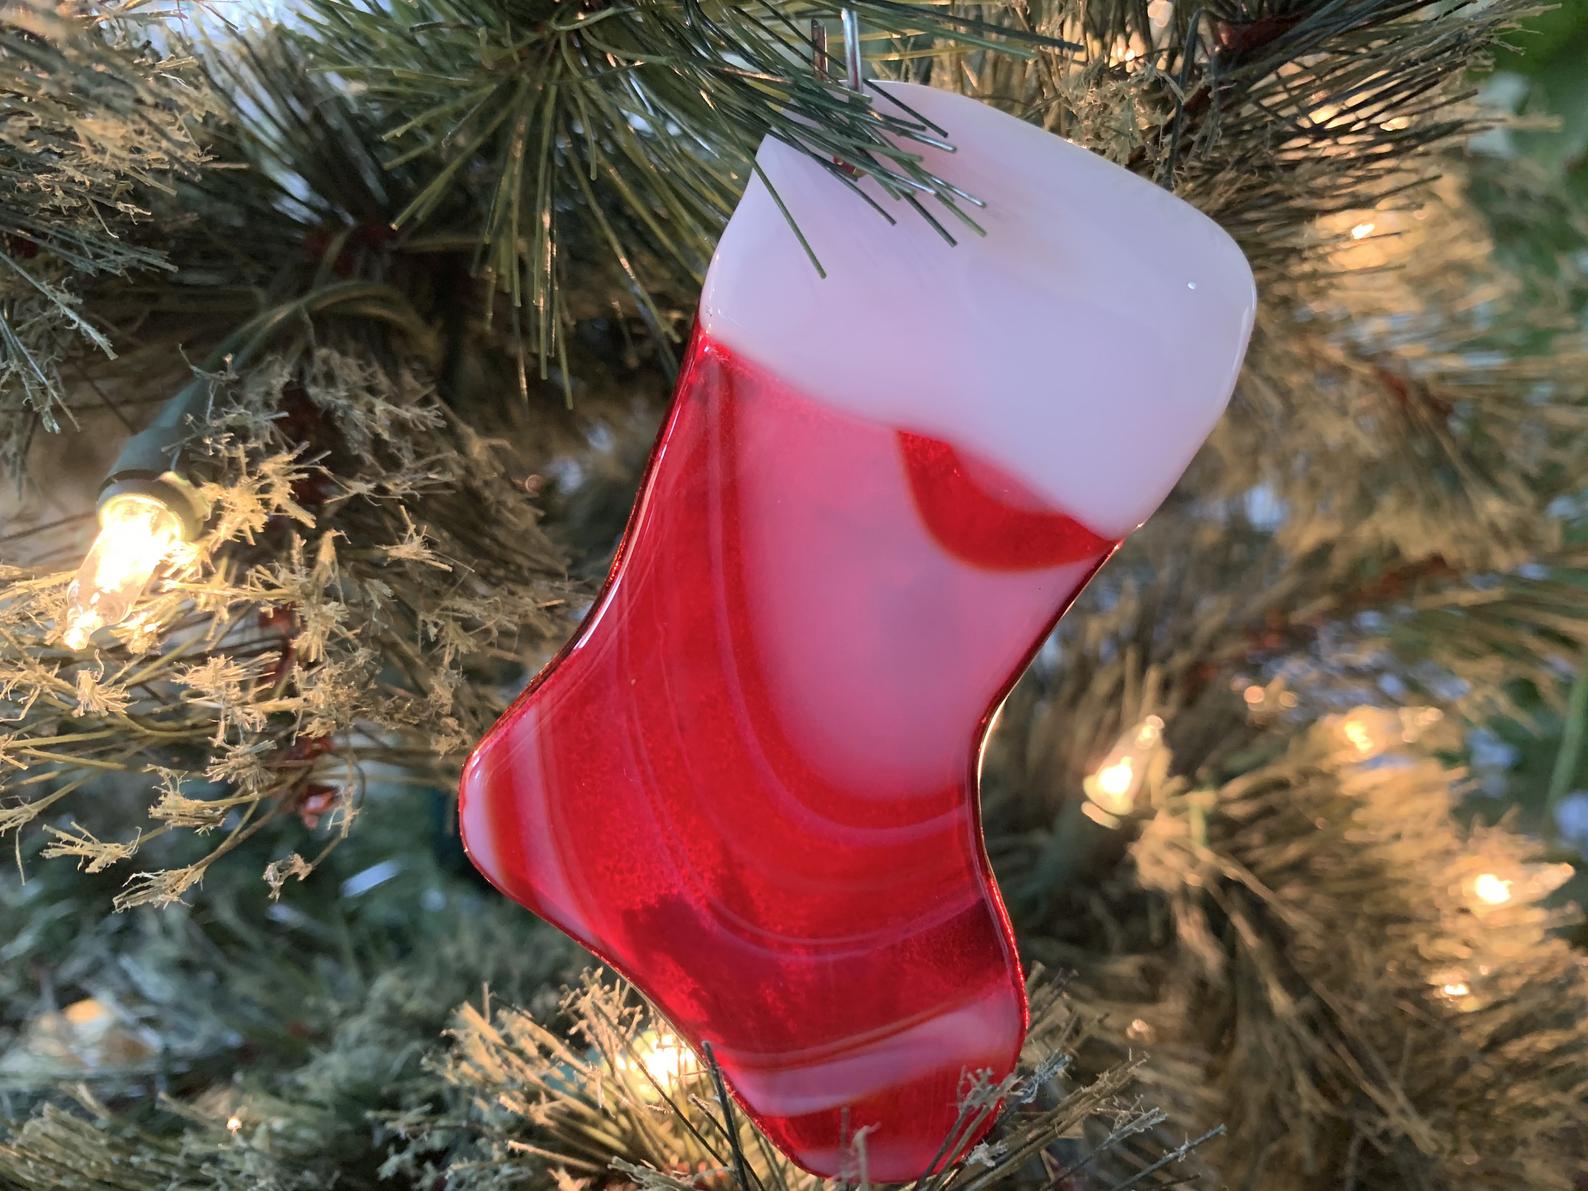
{"x":234,"y":1123}
{"x":1358,"y":734}
{"x":1363,"y":230}
{"x":1112,"y":788}
{"x":663,"y":1057}
{"x":1456,"y":989}
{"x":1491,"y":890}
{"x":1113,"y":782}
{"x":136,"y":534}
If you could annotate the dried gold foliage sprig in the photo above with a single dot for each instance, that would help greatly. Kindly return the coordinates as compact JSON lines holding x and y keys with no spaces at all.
{"x":365,"y":600}
{"x":1319,"y":957}
{"x":614,"y":1093}
{"x":97,"y":124}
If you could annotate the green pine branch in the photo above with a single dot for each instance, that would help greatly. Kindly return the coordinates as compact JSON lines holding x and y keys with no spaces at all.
{"x":94,"y":123}
{"x":623,"y":132}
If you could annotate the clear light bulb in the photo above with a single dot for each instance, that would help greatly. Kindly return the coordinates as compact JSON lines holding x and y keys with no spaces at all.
{"x":1114,"y":785}
{"x":136,"y":534}
{"x":663,"y":1057}
{"x":1492,"y":889}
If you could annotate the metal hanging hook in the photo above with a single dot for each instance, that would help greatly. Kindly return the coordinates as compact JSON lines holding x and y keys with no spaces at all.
{"x":852,"y":61}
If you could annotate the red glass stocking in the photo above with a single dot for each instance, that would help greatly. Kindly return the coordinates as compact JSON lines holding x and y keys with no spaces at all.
{"x":749,"y":783}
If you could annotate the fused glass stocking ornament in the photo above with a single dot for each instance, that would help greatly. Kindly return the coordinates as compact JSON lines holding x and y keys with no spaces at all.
{"x":749,"y":782}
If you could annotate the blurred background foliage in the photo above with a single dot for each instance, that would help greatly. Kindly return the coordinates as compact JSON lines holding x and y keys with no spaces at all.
{"x":1532,"y":769}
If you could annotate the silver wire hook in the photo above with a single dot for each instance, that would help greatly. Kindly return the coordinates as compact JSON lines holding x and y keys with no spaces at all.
{"x":852,"y":60}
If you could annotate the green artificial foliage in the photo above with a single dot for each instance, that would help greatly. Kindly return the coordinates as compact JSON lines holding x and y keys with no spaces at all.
{"x":416,"y":272}
{"x":94,"y":123}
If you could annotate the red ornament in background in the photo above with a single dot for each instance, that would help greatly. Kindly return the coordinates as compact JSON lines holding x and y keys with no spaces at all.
{"x":749,"y":782}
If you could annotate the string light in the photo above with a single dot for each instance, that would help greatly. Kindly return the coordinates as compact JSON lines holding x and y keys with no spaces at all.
{"x":1356,"y":731}
{"x":1491,"y":889}
{"x":1113,"y":786}
{"x":1524,"y":883}
{"x":1264,"y":700}
{"x":87,"y":1035}
{"x":147,"y":510}
{"x":137,"y":533}
{"x":234,"y":1123}
{"x":146,"y":506}
{"x":1363,"y":230}
{"x":1115,"y":782}
{"x":1453,"y":983}
{"x":661,"y":1056}
{"x":1375,"y":729}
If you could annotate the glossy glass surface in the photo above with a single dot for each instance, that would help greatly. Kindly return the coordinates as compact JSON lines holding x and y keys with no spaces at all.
{"x":749,"y":783}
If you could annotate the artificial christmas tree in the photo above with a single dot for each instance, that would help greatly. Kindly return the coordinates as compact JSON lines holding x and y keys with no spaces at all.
{"x":420,"y":273}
